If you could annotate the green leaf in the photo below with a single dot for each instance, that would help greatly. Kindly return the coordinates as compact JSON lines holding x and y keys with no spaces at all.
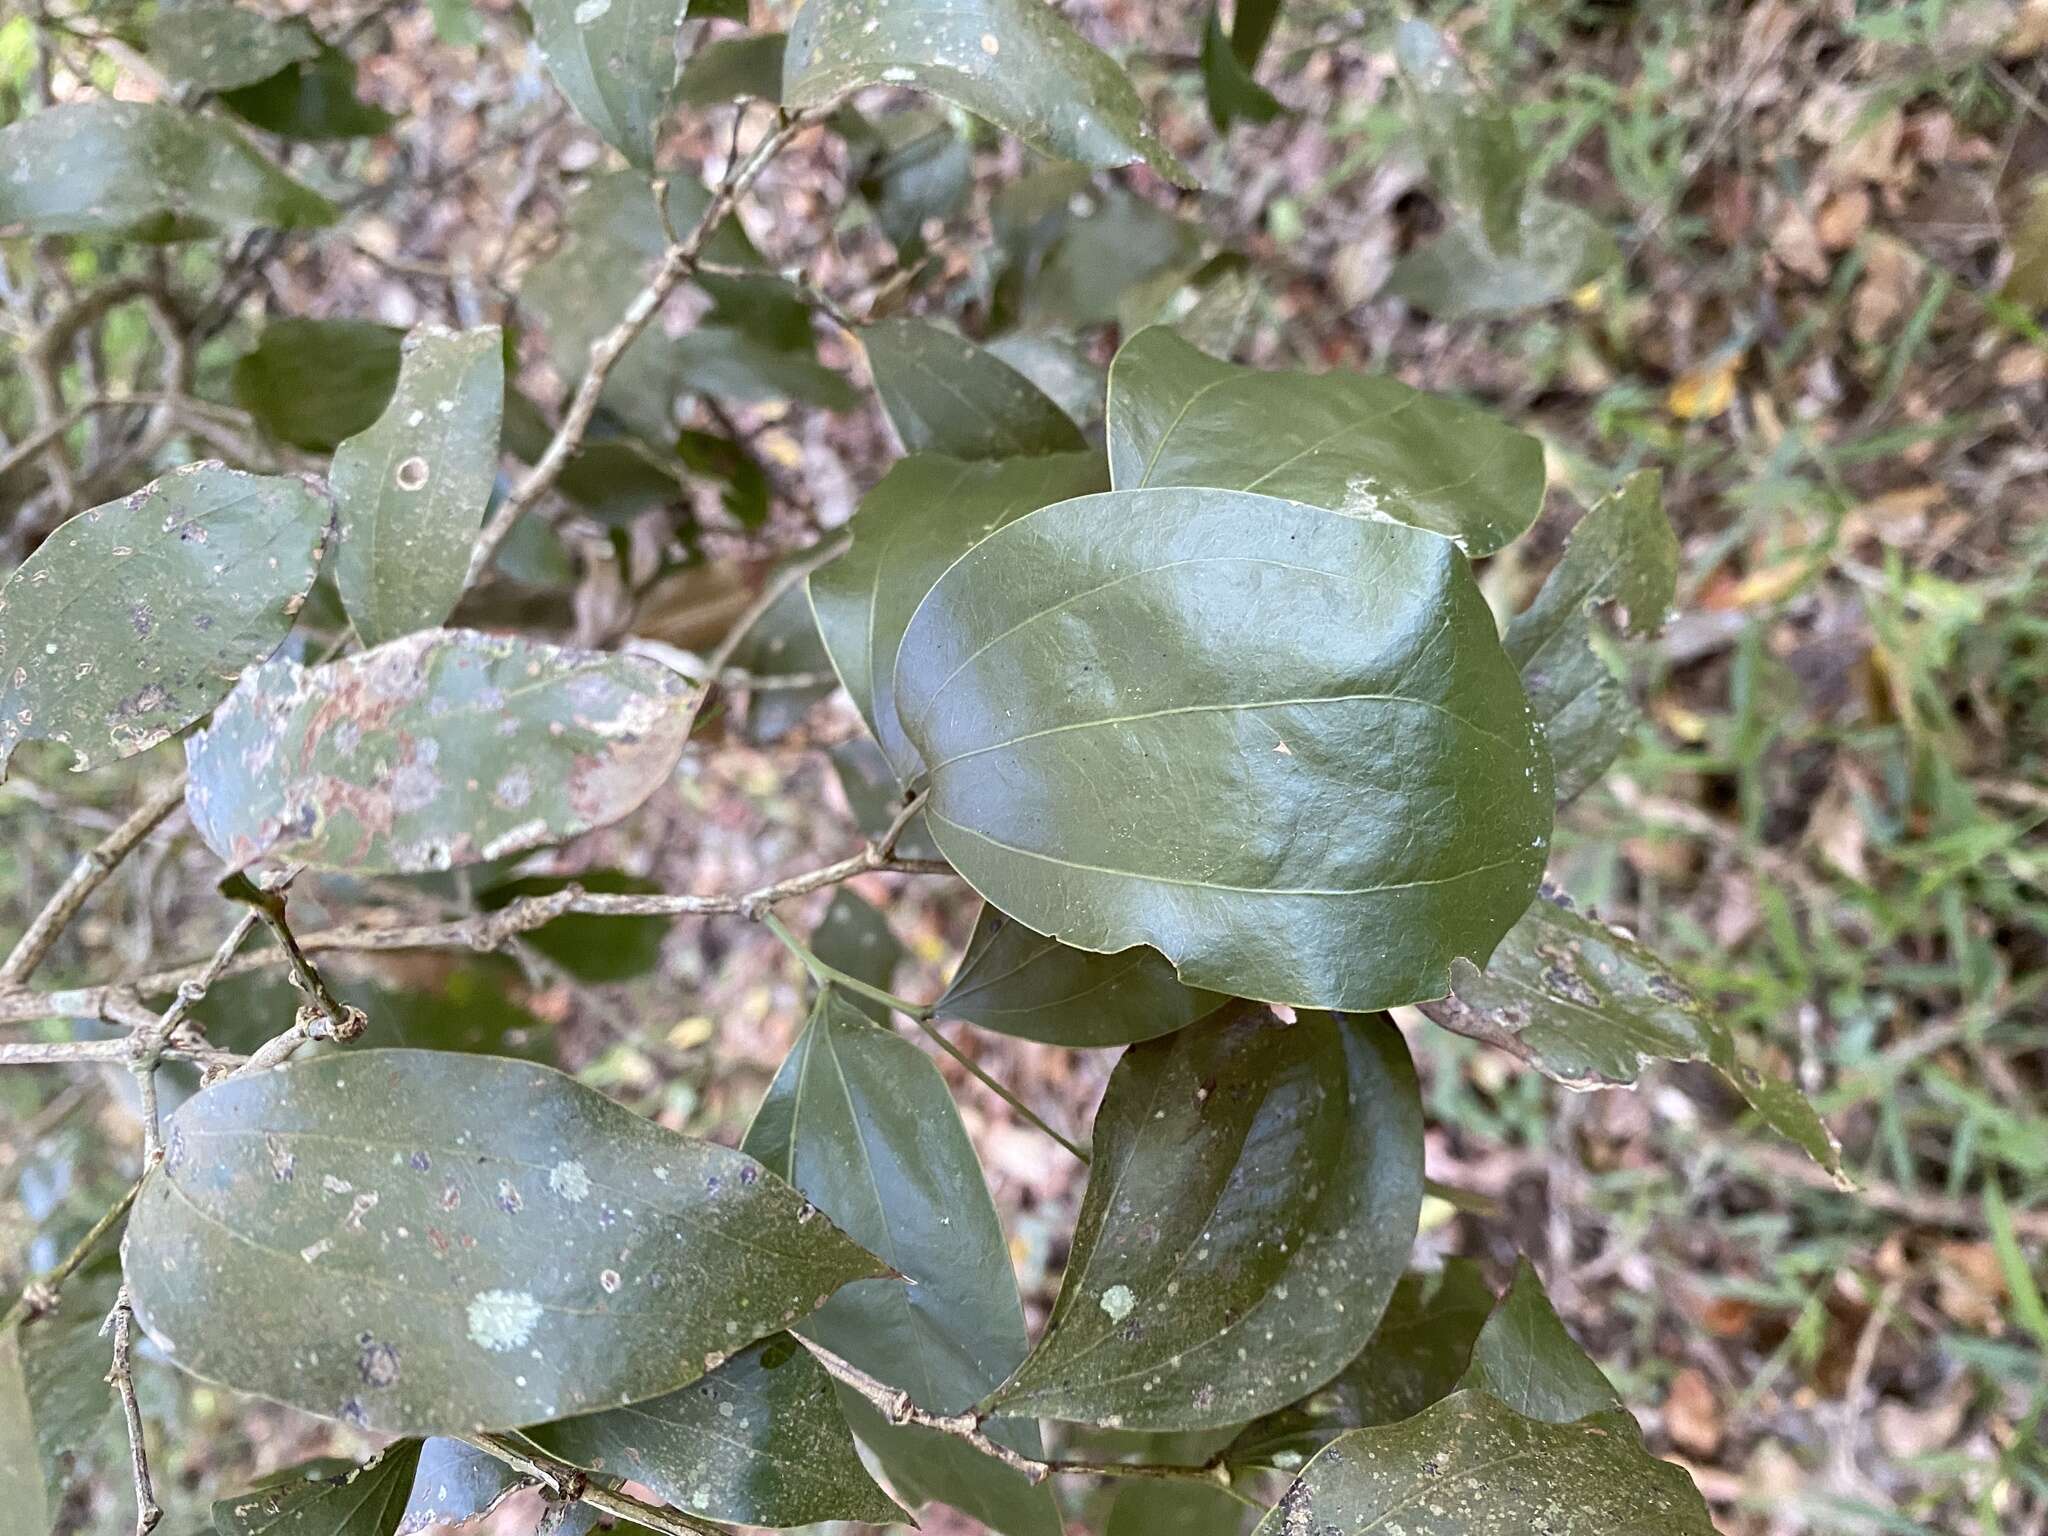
{"x":1524,"y":1357}
{"x":874,"y":796}
{"x":1227,"y":78}
{"x":732,"y":69}
{"x":590,"y":947}
{"x":316,"y":383}
{"x":131,"y":620}
{"x":1357,"y":443}
{"x":945,"y":395}
{"x":314,"y":100}
{"x":1417,"y":1355}
{"x":616,"y":62}
{"x":744,"y":484}
{"x":369,"y":1500}
{"x":361,"y":1235}
{"x":1469,"y":137}
{"x":918,"y":167}
{"x":1061,"y":368}
{"x":759,"y":1441}
{"x":1588,"y":1006}
{"x":1123,"y":244}
{"x":411,"y":491}
{"x":53,"y":1399}
{"x":1013,"y":62}
{"x":1472,"y":1466}
{"x":1251,"y":1203}
{"x":860,"y":1120}
{"x":455,"y":1482}
{"x":926,"y":512}
{"x":1145,"y":1508}
{"x":1459,"y":276}
{"x":854,"y":939}
{"x":1622,"y":561}
{"x":1140,"y":712}
{"x":216,"y":47}
{"x":783,"y":643}
{"x":445,"y":747}
{"x":127,"y":170}
{"x":474,"y":1007}
{"x":1021,"y":983}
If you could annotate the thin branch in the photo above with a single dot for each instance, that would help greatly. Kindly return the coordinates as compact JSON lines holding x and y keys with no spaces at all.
{"x":148,"y":1047}
{"x":975,"y":1070}
{"x":343,"y":1022}
{"x":87,"y":876}
{"x":120,"y":1322}
{"x":39,"y":1297}
{"x":770,"y":594}
{"x":563,"y":1481}
{"x":677,"y":263}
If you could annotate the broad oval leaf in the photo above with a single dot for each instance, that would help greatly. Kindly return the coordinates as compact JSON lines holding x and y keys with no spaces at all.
{"x":759,"y":1441}
{"x":1621,"y":560}
{"x":855,"y":940}
{"x":216,"y":46}
{"x":1472,"y":1466}
{"x":1021,"y":983}
{"x":1468,"y":135}
{"x":1525,"y":1357}
{"x":1589,"y":1007}
{"x":1251,"y":1205}
{"x":860,"y":1120}
{"x":733,"y":68}
{"x":1013,"y":62}
{"x":369,"y":1500}
{"x":134,"y":618}
{"x":1357,"y":443}
{"x":921,"y":516}
{"x":410,"y":492}
{"x":316,"y":383}
{"x":312,"y":99}
{"x":1278,"y":744}
{"x":1460,"y":276}
{"x":946,"y":395}
{"x":442,"y":748}
{"x":616,"y":61}
{"x":129,"y":170}
{"x":1418,"y":1354}
{"x":421,"y":1242}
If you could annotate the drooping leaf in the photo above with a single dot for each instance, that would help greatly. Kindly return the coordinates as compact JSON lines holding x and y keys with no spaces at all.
{"x":874,"y":796}
{"x":1470,"y":139}
{"x":1621,"y":563}
{"x":734,"y":68}
{"x":423,"y":1242}
{"x":1357,"y":443}
{"x":313,"y":99}
{"x":316,"y":383}
{"x":131,"y":620}
{"x":1589,"y":1007}
{"x":1472,"y":1466}
{"x":923,"y":515}
{"x":1459,"y":276}
{"x":410,"y":492}
{"x":215,"y":46}
{"x":860,"y":1120}
{"x":1122,"y":244}
{"x":616,"y":62}
{"x":1013,"y":62}
{"x":129,"y":170}
{"x":1524,"y":1357}
{"x":853,"y":938}
{"x":945,"y":395}
{"x":1418,"y":1354}
{"x":1227,"y":76}
{"x":590,"y":946}
{"x":442,"y":748}
{"x":1140,"y":714}
{"x":759,"y":1441}
{"x":369,"y":1500}
{"x":1021,"y":983}
{"x":53,"y":1399}
{"x":918,"y":167}
{"x":1251,"y":1204}
{"x":783,"y":645}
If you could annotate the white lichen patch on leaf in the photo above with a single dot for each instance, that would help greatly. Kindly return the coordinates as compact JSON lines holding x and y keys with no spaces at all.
{"x":569,"y":1180}
{"x":502,"y":1320}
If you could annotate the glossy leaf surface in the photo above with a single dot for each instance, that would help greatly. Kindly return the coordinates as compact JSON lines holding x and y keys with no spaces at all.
{"x":1588,"y":1006}
{"x":1357,"y":443}
{"x":1620,"y":565}
{"x":216,"y":47}
{"x":132,"y":619}
{"x":946,"y":395}
{"x":922,"y":516}
{"x":1021,"y":983}
{"x":1417,"y":1355}
{"x":1250,"y":1206}
{"x":128,"y":170}
{"x":1524,"y":1357}
{"x":616,"y":62}
{"x":1472,"y":1466}
{"x":445,"y":747}
{"x":759,"y":1441}
{"x":859,"y":1119}
{"x":417,"y":1242}
{"x":1014,"y":62}
{"x":410,"y":492}
{"x":1280,"y":745}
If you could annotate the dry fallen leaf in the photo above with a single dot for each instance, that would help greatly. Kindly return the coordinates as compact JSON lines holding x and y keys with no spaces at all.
{"x":1704,"y":392}
{"x":1691,"y":1415}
